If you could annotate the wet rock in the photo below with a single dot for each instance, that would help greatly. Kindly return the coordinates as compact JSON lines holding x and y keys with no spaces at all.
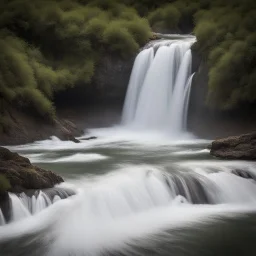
{"x":243,"y":174}
{"x":5,"y":205}
{"x":67,"y":131}
{"x":90,"y":138}
{"x":236,"y":147}
{"x":22,"y":175}
{"x":18,"y":175}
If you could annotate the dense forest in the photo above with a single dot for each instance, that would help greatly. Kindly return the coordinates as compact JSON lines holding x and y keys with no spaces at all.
{"x":47,"y":46}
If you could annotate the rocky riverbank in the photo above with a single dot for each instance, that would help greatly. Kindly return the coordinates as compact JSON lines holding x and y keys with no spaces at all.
{"x":241,"y":147}
{"x":26,"y":128}
{"x":18,"y":175}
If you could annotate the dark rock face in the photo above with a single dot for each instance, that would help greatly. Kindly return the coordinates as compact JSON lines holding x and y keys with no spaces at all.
{"x":108,"y":85}
{"x":111,"y":78}
{"x":23,"y":175}
{"x":66,"y":130}
{"x":236,"y":147}
{"x":26,"y":128}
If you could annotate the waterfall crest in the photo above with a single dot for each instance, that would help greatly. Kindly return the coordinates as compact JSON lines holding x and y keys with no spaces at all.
{"x":158,"y":91}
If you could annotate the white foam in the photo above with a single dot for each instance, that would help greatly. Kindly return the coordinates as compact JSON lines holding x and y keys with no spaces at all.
{"x":192,"y":152}
{"x":75,"y":158}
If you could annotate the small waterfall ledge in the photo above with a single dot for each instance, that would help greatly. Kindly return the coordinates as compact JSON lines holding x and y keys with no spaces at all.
{"x":31,"y":202}
{"x":158,"y":92}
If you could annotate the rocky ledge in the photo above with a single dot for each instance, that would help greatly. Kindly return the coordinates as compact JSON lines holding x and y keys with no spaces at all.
{"x":18,"y":174}
{"x":241,"y":147}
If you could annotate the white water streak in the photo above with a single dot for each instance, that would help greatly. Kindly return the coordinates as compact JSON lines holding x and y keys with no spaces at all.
{"x":2,"y":219}
{"x":160,"y":100}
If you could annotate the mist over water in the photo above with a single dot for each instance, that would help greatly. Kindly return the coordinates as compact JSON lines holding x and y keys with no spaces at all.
{"x":147,"y":187}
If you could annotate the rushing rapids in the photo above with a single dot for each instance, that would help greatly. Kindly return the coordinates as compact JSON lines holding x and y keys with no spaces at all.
{"x":143,"y":188}
{"x":138,"y":189}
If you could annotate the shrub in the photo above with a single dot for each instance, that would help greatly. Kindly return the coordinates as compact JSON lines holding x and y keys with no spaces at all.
{"x":140,"y":30}
{"x":166,"y":17}
{"x":119,"y":40}
{"x":128,"y":14}
{"x":155,"y":16}
{"x":95,"y":28}
{"x":206,"y":33}
{"x":171,"y":16}
{"x":84,"y":72}
{"x":36,"y":98}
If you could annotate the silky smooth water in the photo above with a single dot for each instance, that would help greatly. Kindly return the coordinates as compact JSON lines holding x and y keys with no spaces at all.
{"x":158,"y":92}
{"x":136,"y":194}
{"x":147,"y":187}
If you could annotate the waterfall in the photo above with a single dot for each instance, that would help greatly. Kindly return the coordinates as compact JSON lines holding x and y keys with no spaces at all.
{"x":2,"y":220}
{"x":116,"y":213}
{"x":139,"y":189}
{"x":158,"y":92}
{"x":139,"y":71}
{"x":23,"y":205}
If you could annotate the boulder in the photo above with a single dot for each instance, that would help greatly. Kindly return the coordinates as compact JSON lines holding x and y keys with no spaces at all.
{"x":22,"y":175}
{"x":66,"y":130}
{"x":241,"y":147}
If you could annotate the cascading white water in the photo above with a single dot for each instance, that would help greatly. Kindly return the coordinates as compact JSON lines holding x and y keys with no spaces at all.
{"x":23,"y":206}
{"x":186,"y":102}
{"x":2,"y":219}
{"x":139,"y":71}
{"x":145,"y":191}
{"x":158,"y":91}
{"x":138,"y":189}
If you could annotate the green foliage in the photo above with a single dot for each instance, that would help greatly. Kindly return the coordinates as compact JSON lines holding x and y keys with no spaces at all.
{"x":95,"y":29}
{"x":119,"y":39}
{"x":47,"y":46}
{"x":207,"y":35}
{"x":171,"y":16}
{"x":139,"y":30}
{"x":4,"y":183}
{"x":128,"y":14}
{"x":226,"y":38}
{"x":165,"y":17}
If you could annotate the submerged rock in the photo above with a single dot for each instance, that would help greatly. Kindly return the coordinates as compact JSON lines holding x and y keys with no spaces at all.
{"x":236,"y":147}
{"x":22,"y":175}
{"x":90,"y":138}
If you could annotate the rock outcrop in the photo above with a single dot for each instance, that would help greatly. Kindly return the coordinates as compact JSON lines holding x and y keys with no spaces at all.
{"x":22,"y":175}
{"x":25,"y":128}
{"x":236,"y":147}
{"x":66,"y":130}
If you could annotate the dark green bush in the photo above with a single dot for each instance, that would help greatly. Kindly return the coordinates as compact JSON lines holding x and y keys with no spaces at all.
{"x":226,"y":39}
{"x":140,"y":30}
{"x":95,"y":29}
{"x":119,"y":40}
{"x":47,"y":46}
{"x":171,"y":16}
{"x":166,"y":17}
